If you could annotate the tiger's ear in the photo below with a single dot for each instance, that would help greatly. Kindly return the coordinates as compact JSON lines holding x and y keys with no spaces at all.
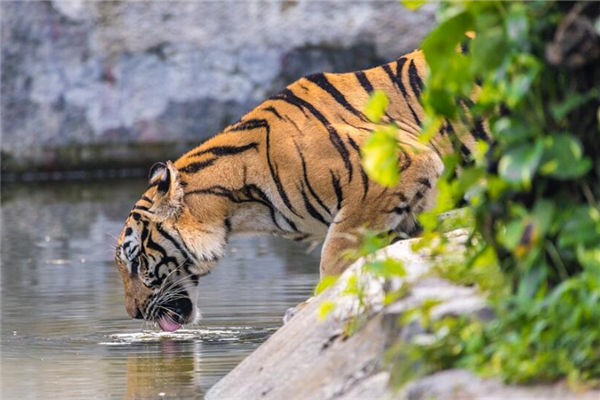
{"x":167,"y":201}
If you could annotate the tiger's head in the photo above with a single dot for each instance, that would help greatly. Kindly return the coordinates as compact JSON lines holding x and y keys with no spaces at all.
{"x":166,"y":245}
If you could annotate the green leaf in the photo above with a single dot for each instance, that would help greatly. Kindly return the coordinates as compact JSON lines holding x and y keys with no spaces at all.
{"x":413,"y":4}
{"x":519,"y":164}
{"x":542,"y":214}
{"x":380,"y":156}
{"x":387,"y":267}
{"x":325,"y":309}
{"x":511,"y":130}
{"x":590,"y":258}
{"x":440,"y":45}
{"x":575,"y":100}
{"x":517,"y":25}
{"x":512,"y":234}
{"x":563,"y":158}
{"x":324,"y":283}
{"x":583,"y":227}
{"x":523,"y":71}
{"x":488,"y":49}
{"x":431,"y":127}
{"x":441,"y":101}
{"x":376,"y":106}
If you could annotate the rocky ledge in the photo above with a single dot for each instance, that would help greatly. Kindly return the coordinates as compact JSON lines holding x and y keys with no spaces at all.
{"x":312,"y":358}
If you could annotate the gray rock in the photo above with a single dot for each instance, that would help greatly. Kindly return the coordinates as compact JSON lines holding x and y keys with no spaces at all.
{"x":310,"y":358}
{"x":82,"y":73}
{"x":463,"y":385}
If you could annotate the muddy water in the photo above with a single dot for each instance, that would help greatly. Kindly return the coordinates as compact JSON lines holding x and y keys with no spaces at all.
{"x":65,"y":332}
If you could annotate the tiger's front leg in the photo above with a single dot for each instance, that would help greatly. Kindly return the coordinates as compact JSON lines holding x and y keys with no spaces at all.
{"x":382,"y":210}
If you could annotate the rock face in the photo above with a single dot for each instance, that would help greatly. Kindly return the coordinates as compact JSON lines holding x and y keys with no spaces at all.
{"x":79,"y":73}
{"x":312,"y":359}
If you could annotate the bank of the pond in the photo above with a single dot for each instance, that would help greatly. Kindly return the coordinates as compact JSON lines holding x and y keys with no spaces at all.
{"x":309,"y":358}
{"x":90,"y":161}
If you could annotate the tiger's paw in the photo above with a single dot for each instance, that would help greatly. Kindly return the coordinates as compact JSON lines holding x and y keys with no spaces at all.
{"x":292,"y":311}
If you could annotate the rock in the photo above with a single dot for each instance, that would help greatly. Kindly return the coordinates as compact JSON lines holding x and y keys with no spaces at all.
{"x":464,"y":385}
{"x":79,"y":73}
{"x":310,"y":358}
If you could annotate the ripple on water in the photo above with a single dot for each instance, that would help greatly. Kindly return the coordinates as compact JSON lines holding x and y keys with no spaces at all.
{"x":243,"y":334}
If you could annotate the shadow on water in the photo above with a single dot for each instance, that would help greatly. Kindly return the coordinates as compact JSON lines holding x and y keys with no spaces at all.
{"x":65,"y":332}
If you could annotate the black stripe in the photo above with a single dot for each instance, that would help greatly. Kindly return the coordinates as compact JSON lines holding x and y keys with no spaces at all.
{"x":400,"y":195}
{"x":197,"y":166}
{"x":143,"y":208}
{"x":272,"y":110}
{"x":248,"y":191}
{"x":415,"y":80}
{"x":337,"y":189}
{"x":455,"y":141}
{"x":274,"y":172}
{"x":364,"y":81}
{"x":363,"y":175}
{"x":361,"y":128}
{"x":289,"y":97}
{"x":263,"y":124}
{"x":309,"y":207}
{"x":226,"y":150}
{"x":301,"y":237}
{"x":479,"y":131}
{"x":146,"y":198}
{"x":308,"y":185}
{"x":291,"y":121}
{"x":251,"y":189}
{"x":407,"y":160}
{"x":424,"y":182}
{"x":185,"y":252}
{"x":166,"y":259}
{"x":214,"y":190}
{"x":134,"y":267}
{"x":399,"y":210}
{"x":324,"y":83}
{"x":247,"y":125}
{"x":144,"y":234}
{"x":397,"y":80}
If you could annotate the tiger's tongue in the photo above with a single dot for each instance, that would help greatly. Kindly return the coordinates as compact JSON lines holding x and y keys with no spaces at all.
{"x":167,"y":324}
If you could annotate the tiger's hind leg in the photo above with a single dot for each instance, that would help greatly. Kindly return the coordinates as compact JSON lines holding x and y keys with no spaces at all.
{"x":383,"y":209}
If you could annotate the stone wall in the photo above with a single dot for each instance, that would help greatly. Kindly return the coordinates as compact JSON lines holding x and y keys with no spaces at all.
{"x":85,"y":83}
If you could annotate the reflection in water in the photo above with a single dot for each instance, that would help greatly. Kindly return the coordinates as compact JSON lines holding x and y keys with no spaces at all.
{"x":65,"y":332}
{"x":168,"y":373}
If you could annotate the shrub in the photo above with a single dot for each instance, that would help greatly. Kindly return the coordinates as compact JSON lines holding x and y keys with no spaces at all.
{"x":532,"y":192}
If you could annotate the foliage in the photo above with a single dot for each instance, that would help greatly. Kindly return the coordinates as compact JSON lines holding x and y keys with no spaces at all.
{"x":532,"y":191}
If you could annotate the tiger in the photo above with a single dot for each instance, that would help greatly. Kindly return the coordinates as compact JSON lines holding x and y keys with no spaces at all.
{"x":290,"y":167}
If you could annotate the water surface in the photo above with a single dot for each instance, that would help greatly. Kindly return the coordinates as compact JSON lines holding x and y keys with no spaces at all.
{"x":65,"y":332}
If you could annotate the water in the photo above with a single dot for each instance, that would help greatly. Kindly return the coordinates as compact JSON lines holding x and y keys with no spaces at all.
{"x":65,"y":332}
